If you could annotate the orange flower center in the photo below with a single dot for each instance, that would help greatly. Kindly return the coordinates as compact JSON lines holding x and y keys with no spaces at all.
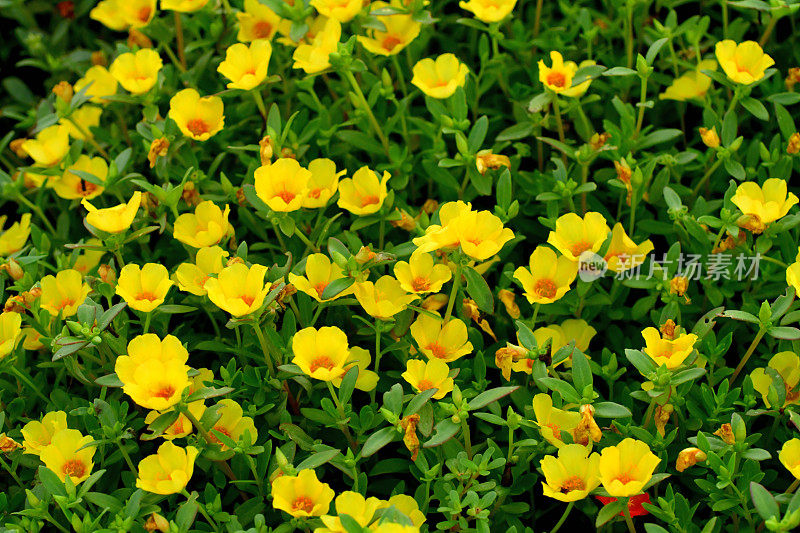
{"x":572,"y":483}
{"x":74,"y":468}
{"x":144,"y":13}
{"x":556,"y":79}
{"x":66,"y":302}
{"x":247,"y":299}
{"x":438,"y":351}
{"x":303,"y":503}
{"x":323,"y":361}
{"x":579,"y":247}
{"x":222,"y":430}
{"x":624,"y":478}
{"x":165,"y":392}
{"x":369,"y":200}
{"x":85,"y":188}
{"x":197,"y":127}
{"x":555,"y":428}
{"x":420,"y":284}
{"x":390,"y":42}
{"x":320,"y":288}
{"x":314,"y":193}
{"x":546,"y":288}
{"x":262,"y":29}
{"x":425,"y":384}
{"x":149,"y":296}
{"x":286,"y":196}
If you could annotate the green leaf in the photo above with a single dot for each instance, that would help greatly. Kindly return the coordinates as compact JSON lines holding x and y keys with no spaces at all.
{"x":581,"y":372}
{"x":654,"y":49}
{"x":111,"y":380}
{"x":608,"y":512}
{"x":318,"y":459}
{"x":209,"y":392}
{"x":443,"y":432}
{"x":348,"y":385}
{"x":755,"y":108}
{"x":478,"y":134}
{"x":763,"y":501}
{"x":643,"y":363}
{"x":479,"y":290}
{"x":492,"y":395}
{"x":336,"y":287}
{"x":610,"y":410}
{"x":52,"y":483}
{"x":566,"y":390}
{"x":418,"y":401}
{"x":378,"y":440}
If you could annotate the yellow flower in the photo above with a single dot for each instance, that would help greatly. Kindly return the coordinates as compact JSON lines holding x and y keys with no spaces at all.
{"x":420,"y":275}
{"x":113,"y":219}
{"x":710,"y":137}
{"x":168,"y":471}
{"x":87,"y":117}
{"x":64,"y":457}
{"x":232,"y":424}
{"x":137,"y":13}
{"x":207,"y":226}
{"x":63,"y":292}
{"x":364,"y":193}
{"x":314,"y":57}
{"x":137,"y":72}
{"x":14,"y":238}
{"x":792,"y":274}
{"x":436,"y":340}
{"x":144,"y":288}
{"x":31,"y":339}
{"x":237,"y":289}
{"x":691,"y":86}
{"x":558,"y":77}
{"x":302,"y":495}
{"x":762,"y":205}
{"x":38,"y":435}
{"x":257,"y":21}
{"x":341,"y":10}
{"x":71,"y":186}
{"x":196,"y":117}
{"x":246,"y":66}
{"x":360,"y":358}
{"x":431,"y":374}
{"x":323,"y":183}
{"x":182,"y":426}
{"x":192,"y":277}
{"x":489,"y":10}
{"x":109,"y":14}
{"x":552,"y":421}
{"x":406,"y":505}
{"x":544,"y":336}
{"x":443,"y":235}
{"x":790,"y":456}
{"x":666,"y":351}
{"x":548,"y":278}
{"x":321,"y":353}
{"x":154,"y":372}
{"x":100,"y":82}
{"x":571,"y":476}
{"x":393,"y":527}
{"x":787,"y":365}
{"x":575,"y":235}
{"x":485,"y":160}
{"x":352,"y":504}
{"x":744,"y":62}
{"x":50,"y":145}
{"x":440,"y":77}
{"x":319,"y":273}
{"x":627,"y":467}
{"x":282,"y":185}
{"x":384,"y":298}
{"x":183,"y":6}
{"x":10,"y":332}
{"x":624,"y":254}
{"x":480,"y":234}
{"x":401,"y":29}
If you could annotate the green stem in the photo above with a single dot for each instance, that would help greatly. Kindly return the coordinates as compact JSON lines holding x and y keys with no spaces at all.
{"x":264,"y":348}
{"x":342,"y":424}
{"x":467,"y":438}
{"x":535,"y":315}
{"x":563,"y":517}
{"x":306,"y":241}
{"x":13,"y":474}
{"x":88,"y":137}
{"x":35,"y":208}
{"x":453,"y":293}
{"x":127,"y":459}
{"x":373,"y":121}
{"x":260,"y":103}
{"x":629,"y":35}
{"x":179,"y":40}
{"x":768,"y":30}
{"x":537,"y":18}
{"x":559,"y":125}
{"x":23,"y":378}
{"x":706,"y":177}
{"x":146,"y":323}
{"x":793,"y":486}
{"x":724,"y":18}
{"x":642,"y":99}
{"x":628,"y":519}
{"x":201,"y":507}
{"x":747,"y":354}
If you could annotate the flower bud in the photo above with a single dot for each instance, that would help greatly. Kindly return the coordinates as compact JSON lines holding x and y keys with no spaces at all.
{"x":158,"y":148}
{"x":156,"y":522}
{"x":99,"y":58}
{"x":7,"y":444}
{"x":678,"y":285}
{"x":689,"y":457}
{"x":137,"y":38}
{"x":64,"y":91}
{"x":16,"y":147}
{"x":486,"y":160}
{"x":794,"y":144}
{"x":710,"y":137}
{"x":14,"y":269}
{"x":430,"y":206}
{"x":107,"y":274}
{"x":266,"y":150}
{"x":725,"y":432}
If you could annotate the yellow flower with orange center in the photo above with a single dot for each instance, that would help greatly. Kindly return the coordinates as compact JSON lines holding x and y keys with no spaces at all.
{"x":99,"y":82}
{"x":113,"y":219}
{"x":13,"y":238}
{"x":39,"y":434}
{"x":322,"y":184}
{"x":384,"y":298}
{"x":553,"y":421}
{"x":691,"y":86}
{"x":71,"y":186}
{"x":167,"y":471}
{"x":10,"y":332}
{"x":789,"y":456}
{"x":321,"y":353}
{"x":549,"y":338}
{"x":314,"y":56}
{"x":443,"y":235}
{"x":480,"y":234}
{"x":63,"y":293}
{"x":283,"y":185}
{"x":360,"y":358}
{"x":560,"y":75}
{"x":137,"y":72}
{"x":364,"y":193}
{"x":440,"y":77}
{"x":246,"y":66}
{"x":154,"y":371}
{"x":760,"y":206}
{"x":627,"y":467}
{"x":667,"y":351}
{"x":182,"y":426}
{"x":302,"y":495}
{"x":548,"y":278}
{"x":624,"y":254}
{"x":68,"y":455}
{"x":192,"y":277}
{"x":144,"y":288}
{"x":232,"y":423}
{"x":341,"y":10}
{"x":572,"y":475}
{"x":575,"y":235}
{"x":319,"y":273}
{"x":437,"y":340}
{"x":354,"y":505}
{"x":199,"y":118}
{"x":50,"y":145}
{"x":400,"y":30}
{"x":420,"y":275}
{"x":743,"y":63}
{"x":489,"y":10}
{"x":238,"y":289}
{"x":207,"y":226}
{"x":787,"y":365}
{"x":431,"y":374}
{"x":257,"y":21}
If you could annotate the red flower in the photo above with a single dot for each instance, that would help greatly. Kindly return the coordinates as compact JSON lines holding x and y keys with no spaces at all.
{"x":634,"y":504}
{"x":66,"y":9}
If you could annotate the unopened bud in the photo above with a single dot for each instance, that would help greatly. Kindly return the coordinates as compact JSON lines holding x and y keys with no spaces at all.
{"x":266,"y":149}
{"x":794,"y":144}
{"x":158,"y":148}
{"x":156,"y":522}
{"x":64,"y":91}
{"x":689,"y":457}
{"x":14,"y":269}
{"x":137,"y":38}
{"x":107,"y":274}
{"x":710,"y":137}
